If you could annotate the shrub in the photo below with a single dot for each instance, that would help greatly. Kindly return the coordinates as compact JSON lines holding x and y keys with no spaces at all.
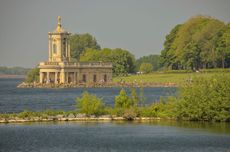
{"x":205,"y":98}
{"x":122,"y":100}
{"x":90,"y":104}
{"x":25,"y":114}
{"x":33,"y":75}
{"x":146,"y":67}
{"x":134,"y":98}
{"x":50,"y":112}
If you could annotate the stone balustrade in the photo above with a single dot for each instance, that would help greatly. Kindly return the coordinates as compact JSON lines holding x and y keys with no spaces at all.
{"x":77,"y":64}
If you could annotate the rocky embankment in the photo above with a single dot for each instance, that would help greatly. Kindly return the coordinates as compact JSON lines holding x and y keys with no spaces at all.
{"x":96,"y":85}
{"x":78,"y":117}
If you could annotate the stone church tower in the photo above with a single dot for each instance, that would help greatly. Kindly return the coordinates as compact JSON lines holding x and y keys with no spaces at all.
{"x":60,"y":70}
{"x":59,"y":44}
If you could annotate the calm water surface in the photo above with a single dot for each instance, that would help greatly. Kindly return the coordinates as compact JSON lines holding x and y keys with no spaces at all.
{"x":166,"y":136}
{"x":14,"y":99}
{"x":115,"y":137}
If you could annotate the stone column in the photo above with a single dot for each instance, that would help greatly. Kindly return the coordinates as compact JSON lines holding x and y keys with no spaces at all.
{"x":50,"y":49}
{"x":41,"y":77}
{"x":48,"y":77}
{"x":66,"y":48}
{"x":59,"y":48}
{"x":62,"y":77}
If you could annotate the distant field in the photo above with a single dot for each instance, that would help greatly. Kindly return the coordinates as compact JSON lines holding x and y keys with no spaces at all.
{"x":167,"y":77}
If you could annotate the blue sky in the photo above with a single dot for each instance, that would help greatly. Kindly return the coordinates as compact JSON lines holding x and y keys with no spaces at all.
{"x":139,"y":26}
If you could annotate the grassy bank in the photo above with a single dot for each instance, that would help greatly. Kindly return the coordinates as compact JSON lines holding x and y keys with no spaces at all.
{"x":178,"y":77}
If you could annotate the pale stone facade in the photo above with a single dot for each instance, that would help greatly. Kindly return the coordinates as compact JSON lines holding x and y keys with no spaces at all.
{"x":60,"y":69}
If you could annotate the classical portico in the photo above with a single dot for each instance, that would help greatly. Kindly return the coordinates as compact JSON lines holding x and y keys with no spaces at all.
{"x":60,"y":69}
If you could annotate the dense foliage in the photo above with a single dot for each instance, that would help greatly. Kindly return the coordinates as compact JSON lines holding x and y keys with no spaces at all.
{"x":201,"y":42}
{"x":146,"y":67}
{"x":33,"y":75}
{"x":90,"y":104}
{"x":222,"y":46}
{"x":13,"y":70}
{"x":122,"y":100}
{"x":81,"y":42}
{"x":152,"y":59}
{"x":123,"y":61}
{"x":205,"y":98}
{"x":126,"y":105}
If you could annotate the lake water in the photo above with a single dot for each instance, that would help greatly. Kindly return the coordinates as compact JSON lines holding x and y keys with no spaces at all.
{"x":155,"y":136}
{"x":115,"y":137}
{"x":14,"y":99}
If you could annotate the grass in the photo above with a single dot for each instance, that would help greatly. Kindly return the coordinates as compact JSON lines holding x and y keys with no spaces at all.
{"x":167,"y":77}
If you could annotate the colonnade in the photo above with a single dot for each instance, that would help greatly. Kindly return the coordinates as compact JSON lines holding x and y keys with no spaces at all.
{"x":72,"y":77}
{"x":58,"y":77}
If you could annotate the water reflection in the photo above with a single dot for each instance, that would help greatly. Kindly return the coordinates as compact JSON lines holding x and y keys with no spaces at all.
{"x":212,"y":127}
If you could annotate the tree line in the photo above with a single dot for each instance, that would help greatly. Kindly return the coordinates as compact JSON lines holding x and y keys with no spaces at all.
{"x":84,"y":48}
{"x":201,"y":42}
{"x":13,"y":70}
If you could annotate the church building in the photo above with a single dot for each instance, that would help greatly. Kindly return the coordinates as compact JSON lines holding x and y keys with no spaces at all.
{"x":60,"y":70}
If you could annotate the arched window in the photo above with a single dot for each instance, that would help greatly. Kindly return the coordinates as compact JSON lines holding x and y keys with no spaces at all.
{"x":54,"y":48}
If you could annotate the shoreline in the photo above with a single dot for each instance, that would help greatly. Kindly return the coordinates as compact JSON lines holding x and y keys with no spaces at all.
{"x":78,"y":119}
{"x":94,"y":85}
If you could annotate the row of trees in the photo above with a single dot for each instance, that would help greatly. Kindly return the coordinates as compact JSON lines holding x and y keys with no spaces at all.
{"x":84,"y":47}
{"x":154,"y":60}
{"x":13,"y":70}
{"x":123,"y":61}
{"x":201,"y":42}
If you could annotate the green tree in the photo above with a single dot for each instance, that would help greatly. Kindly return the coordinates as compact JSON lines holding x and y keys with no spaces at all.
{"x":90,"y":104}
{"x":123,"y":61}
{"x":146,"y":68}
{"x":222,"y":43}
{"x":80,"y":42}
{"x":33,"y":75}
{"x":167,"y":54}
{"x":122,"y":100}
{"x":134,"y":97}
{"x":153,"y":59}
{"x":190,"y":45}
